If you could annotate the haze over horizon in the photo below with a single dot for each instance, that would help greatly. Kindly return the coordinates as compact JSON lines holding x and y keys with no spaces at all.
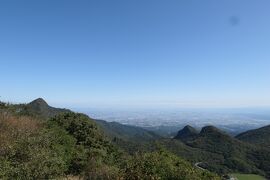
{"x":136,"y":53}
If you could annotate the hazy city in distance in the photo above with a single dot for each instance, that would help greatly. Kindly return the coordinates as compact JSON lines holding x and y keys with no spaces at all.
{"x":170,"y":120}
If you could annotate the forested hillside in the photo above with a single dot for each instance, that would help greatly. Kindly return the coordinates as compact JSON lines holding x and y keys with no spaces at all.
{"x":259,"y":136}
{"x":41,"y":142}
{"x":223,"y":154}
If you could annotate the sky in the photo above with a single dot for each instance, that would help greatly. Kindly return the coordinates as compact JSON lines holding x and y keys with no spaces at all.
{"x":136,"y":53}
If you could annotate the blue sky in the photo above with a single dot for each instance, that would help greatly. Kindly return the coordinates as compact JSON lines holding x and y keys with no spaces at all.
{"x":145,"y":53}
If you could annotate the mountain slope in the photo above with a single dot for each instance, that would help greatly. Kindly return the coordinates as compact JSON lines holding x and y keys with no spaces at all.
{"x":218,"y":151}
{"x":38,"y":108}
{"x":71,"y":144}
{"x":111,"y":129}
{"x":187,"y":133}
{"x":259,"y":136}
{"x":114,"y":129}
{"x":129,"y":138}
{"x":212,"y":139}
{"x":230,"y":154}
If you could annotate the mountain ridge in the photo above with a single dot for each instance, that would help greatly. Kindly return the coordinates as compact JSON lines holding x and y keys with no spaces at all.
{"x":229,"y":153}
{"x":120,"y":134}
{"x":259,"y":136}
{"x":219,"y":151}
{"x":72,"y":144}
{"x":187,"y":133}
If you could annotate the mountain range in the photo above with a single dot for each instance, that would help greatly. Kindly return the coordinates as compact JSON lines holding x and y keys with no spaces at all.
{"x":229,"y":153}
{"x":216,"y":150}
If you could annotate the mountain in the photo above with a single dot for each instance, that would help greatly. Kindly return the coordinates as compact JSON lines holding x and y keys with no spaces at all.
{"x":224,"y":153}
{"x":38,"y":108}
{"x":213,"y":148}
{"x":214,"y":140}
{"x":112,"y":129}
{"x":73,"y":145}
{"x":187,"y":133}
{"x":126,"y":132}
{"x":41,"y":108}
{"x":129,"y":138}
{"x":210,"y":139}
{"x":259,"y":136}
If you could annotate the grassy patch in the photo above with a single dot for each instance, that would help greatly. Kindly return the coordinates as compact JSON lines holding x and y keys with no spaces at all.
{"x":248,"y":177}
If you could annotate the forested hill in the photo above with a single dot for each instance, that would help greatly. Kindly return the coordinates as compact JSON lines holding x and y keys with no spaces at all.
{"x":41,"y":142}
{"x":114,"y":129}
{"x":38,"y":108}
{"x":259,"y":136}
{"x":77,"y":145}
{"x":228,"y":154}
{"x":187,"y":133}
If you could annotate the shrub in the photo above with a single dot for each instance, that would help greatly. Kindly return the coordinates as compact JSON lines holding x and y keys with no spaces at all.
{"x":31,"y":151}
{"x":162,"y":165}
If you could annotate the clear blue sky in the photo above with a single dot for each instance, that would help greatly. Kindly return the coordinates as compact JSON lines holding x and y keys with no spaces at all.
{"x":191,"y":53}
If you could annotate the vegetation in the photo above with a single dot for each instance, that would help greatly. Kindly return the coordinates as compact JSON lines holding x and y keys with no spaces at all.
{"x":30,"y":151}
{"x":163,"y":165}
{"x":188,"y":133}
{"x":72,"y":144}
{"x":42,"y":142}
{"x":126,"y":132}
{"x":37,"y":108}
{"x":259,"y":136}
{"x":247,"y":177}
{"x":224,"y":154}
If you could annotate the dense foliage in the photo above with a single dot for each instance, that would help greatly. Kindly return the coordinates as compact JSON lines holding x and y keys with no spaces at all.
{"x":29,"y":151}
{"x":91,"y":145}
{"x":259,"y":136}
{"x":41,"y":142}
{"x":163,"y":165}
{"x":222,"y":153}
{"x":71,"y":144}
